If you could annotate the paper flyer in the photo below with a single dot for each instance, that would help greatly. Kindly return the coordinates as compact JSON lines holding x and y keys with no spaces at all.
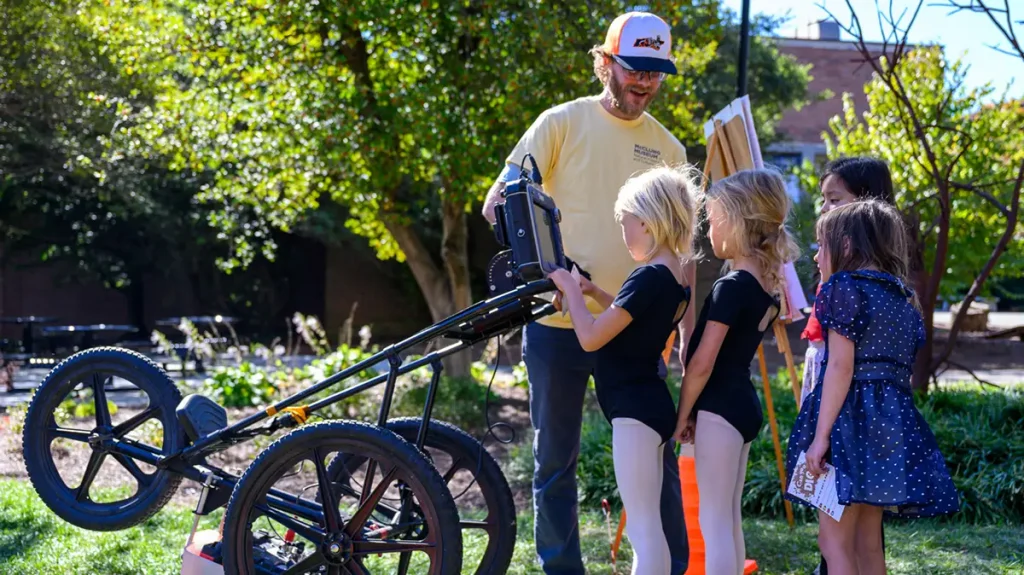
{"x":818,"y":491}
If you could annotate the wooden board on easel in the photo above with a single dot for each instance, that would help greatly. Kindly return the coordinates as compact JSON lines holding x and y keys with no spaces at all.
{"x":733,"y":146}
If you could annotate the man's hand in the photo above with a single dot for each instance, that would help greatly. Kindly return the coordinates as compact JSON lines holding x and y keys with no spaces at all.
{"x":493,"y":198}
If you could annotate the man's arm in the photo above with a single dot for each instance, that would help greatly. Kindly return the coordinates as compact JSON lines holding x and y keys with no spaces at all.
{"x":493,"y":198}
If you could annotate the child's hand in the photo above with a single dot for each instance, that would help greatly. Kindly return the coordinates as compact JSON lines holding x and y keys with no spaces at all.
{"x":816,"y":456}
{"x":564,"y":281}
{"x":684,"y":431}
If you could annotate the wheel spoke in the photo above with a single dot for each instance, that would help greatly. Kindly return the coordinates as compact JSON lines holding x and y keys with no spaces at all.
{"x":334,"y":570}
{"x":382,"y":508}
{"x":130,"y":425}
{"x":452,"y":470}
{"x":95,"y":462}
{"x":99,"y":394}
{"x":329,"y":501}
{"x":475,"y":525}
{"x":72,"y":434}
{"x":355,"y":567}
{"x":355,"y":525}
{"x":129,"y":464}
{"x":371,"y":470}
{"x":310,"y":532}
{"x":307,"y":564}
{"x":403,"y":563}
{"x":389,"y":546}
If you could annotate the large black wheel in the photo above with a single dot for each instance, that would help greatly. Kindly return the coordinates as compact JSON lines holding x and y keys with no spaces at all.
{"x":486,"y":499}
{"x":402,"y":518}
{"x":70,"y":414}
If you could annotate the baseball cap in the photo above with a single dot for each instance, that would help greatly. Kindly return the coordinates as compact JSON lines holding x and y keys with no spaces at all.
{"x":640,"y":41}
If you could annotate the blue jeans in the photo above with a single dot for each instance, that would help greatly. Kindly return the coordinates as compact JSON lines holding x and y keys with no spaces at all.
{"x":558,"y":370}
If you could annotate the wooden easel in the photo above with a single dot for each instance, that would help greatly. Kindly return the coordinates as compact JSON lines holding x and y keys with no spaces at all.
{"x":718,"y":144}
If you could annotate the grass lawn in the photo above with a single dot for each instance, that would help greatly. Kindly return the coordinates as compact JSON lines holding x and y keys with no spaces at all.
{"x":33,"y":540}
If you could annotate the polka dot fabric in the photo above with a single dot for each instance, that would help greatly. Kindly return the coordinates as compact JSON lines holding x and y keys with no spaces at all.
{"x":883,"y":451}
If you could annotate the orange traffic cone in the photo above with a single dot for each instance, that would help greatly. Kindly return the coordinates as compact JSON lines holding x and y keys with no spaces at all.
{"x":691,"y":512}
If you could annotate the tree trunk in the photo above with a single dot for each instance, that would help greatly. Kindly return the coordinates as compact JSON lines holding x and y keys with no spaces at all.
{"x":455,"y":255}
{"x":919,"y":277}
{"x":923,"y":362}
{"x":445,"y":291}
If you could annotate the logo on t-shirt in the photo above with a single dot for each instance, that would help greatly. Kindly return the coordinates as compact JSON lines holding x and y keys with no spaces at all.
{"x":646,"y":155}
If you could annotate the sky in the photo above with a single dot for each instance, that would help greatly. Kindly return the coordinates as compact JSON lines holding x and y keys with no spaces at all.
{"x":964,"y":34}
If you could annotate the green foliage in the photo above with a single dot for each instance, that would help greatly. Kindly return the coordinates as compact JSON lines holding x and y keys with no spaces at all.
{"x":288,"y":104}
{"x":63,"y":194}
{"x":595,"y":471}
{"x":458,"y":400}
{"x":83,"y":409}
{"x":981,"y":433}
{"x":339,"y":360}
{"x":243,"y":386}
{"x":976,"y":143}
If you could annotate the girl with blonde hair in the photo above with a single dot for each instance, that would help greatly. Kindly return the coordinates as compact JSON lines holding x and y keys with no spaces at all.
{"x":656,"y":211}
{"x":719,"y":410}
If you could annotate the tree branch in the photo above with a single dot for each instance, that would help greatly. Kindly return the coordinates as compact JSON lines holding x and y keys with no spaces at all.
{"x":971,"y":372}
{"x":975,"y":190}
{"x":1007,"y":32}
{"x":1004,"y":240}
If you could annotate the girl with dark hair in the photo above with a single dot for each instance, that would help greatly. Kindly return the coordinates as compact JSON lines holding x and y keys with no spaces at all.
{"x":844,"y":180}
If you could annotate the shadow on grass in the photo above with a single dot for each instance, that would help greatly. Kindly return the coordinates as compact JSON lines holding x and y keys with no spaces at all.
{"x":20,"y":534}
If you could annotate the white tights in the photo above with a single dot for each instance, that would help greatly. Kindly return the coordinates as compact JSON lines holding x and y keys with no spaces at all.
{"x":638,"y":455}
{"x":720,"y":458}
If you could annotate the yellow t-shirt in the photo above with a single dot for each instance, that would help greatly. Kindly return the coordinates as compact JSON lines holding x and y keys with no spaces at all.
{"x":585,"y":155}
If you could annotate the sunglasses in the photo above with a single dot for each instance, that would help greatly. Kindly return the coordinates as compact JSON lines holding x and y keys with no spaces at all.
{"x":637,"y":74}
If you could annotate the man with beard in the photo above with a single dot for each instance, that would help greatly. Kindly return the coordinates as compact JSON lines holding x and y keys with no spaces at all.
{"x":586,"y":149}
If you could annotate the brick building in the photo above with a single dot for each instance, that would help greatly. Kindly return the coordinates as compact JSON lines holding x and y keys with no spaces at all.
{"x":836,"y":66}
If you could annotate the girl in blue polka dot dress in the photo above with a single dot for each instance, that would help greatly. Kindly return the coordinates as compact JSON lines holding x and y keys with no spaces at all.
{"x":861,"y":417}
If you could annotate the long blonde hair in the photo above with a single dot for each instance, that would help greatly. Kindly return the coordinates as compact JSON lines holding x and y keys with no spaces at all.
{"x":757,"y":207}
{"x":665,"y":199}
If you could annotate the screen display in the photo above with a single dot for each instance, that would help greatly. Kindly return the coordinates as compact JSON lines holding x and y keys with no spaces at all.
{"x":544,"y":239}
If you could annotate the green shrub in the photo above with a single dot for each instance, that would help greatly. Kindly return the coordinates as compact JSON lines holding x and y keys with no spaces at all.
{"x":595,"y":470}
{"x":981,"y":435}
{"x":459,"y":401}
{"x":244,"y":386}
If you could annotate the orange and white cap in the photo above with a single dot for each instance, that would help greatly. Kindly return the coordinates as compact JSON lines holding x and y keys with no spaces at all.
{"x":641,"y":41}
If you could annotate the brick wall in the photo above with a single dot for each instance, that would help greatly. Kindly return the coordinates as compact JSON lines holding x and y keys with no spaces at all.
{"x":835,"y":66}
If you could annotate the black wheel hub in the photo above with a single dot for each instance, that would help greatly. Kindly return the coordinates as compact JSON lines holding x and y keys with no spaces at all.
{"x":100,"y":436}
{"x":337,"y":549}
